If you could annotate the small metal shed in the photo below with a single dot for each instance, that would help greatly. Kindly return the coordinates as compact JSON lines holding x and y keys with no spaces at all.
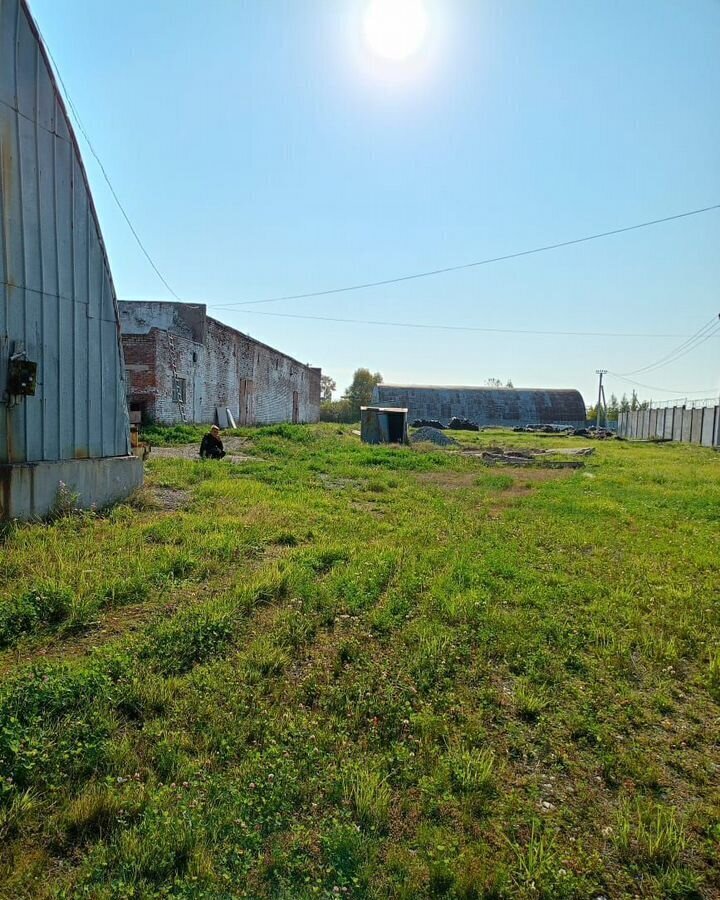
{"x":383,"y":425}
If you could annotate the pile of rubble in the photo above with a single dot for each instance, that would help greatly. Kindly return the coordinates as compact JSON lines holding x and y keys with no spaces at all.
{"x":546,"y":458}
{"x":546,"y":429}
{"x":567,"y":431}
{"x":433,"y":436}
{"x":458,"y":424}
{"x":427,"y":423}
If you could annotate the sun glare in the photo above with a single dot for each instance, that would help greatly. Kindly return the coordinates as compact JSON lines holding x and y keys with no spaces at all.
{"x":395,"y":29}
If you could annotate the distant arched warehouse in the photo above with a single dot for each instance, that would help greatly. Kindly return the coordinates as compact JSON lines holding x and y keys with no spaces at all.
{"x":485,"y":405}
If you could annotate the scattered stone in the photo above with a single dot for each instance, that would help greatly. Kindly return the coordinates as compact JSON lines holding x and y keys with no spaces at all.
{"x":433,"y":436}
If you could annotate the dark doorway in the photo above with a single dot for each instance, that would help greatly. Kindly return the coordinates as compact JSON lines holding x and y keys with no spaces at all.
{"x":296,"y":408}
{"x":396,"y":427}
{"x":247,"y":402}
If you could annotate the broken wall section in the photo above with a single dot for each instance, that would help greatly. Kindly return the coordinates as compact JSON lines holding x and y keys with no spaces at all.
{"x":166,"y":362}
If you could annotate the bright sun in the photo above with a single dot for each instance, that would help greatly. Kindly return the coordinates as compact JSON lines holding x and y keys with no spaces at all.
{"x":395,"y":29}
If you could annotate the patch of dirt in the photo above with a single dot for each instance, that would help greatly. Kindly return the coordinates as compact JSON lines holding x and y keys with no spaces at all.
{"x":368,"y":506}
{"x":171,"y":498}
{"x":449,"y":481}
{"x":338,"y":484}
{"x":536,"y":476}
{"x":235,"y":448}
{"x":523,"y":480}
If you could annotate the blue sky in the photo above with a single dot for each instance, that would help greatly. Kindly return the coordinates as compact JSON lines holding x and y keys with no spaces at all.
{"x":261,"y":149}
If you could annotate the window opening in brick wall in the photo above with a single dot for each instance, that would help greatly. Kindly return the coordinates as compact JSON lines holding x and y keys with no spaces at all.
{"x":179,"y":389}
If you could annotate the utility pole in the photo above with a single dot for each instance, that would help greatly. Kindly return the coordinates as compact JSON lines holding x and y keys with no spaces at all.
{"x":601,"y":396}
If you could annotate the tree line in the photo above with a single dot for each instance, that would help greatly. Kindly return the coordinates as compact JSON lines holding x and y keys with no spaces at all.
{"x":615,"y":407}
{"x":347,"y":408}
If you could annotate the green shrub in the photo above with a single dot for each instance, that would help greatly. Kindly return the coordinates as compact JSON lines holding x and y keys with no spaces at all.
{"x":191,"y":637}
{"x":649,"y":834}
{"x":368,"y":796}
{"x":39,"y":608}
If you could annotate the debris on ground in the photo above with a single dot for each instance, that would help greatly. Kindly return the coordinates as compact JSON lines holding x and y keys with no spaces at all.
{"x":458,"y":424}
{"x":542,"y":457}
{"x":427,"y":423}
{"x":432,"y":436}
{"x":600,"y":433}
{"x":545,"y":428}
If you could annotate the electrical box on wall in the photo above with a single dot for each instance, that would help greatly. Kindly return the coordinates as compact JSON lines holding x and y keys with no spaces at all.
{"x":22,"y":378}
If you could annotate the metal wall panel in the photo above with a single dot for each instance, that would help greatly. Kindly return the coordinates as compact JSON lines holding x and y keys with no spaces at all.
{"x":57,"y":300}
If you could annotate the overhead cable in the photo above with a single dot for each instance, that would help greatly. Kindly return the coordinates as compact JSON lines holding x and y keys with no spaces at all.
{"x":710,"y":329}
{"x":105,"y":175}
{"x":476,"y":328}
{"x":471,"y":265}
{"x":651,"y":387}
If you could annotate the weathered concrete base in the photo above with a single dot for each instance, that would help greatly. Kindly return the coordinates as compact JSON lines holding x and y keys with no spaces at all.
{"x":30,"y":490}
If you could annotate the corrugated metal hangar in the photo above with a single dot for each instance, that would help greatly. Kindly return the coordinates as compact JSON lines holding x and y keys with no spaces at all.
{"x":63,"y":414}
{"x":509,"y":407}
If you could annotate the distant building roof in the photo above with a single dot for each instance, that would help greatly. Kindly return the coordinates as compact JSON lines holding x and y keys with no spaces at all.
{"x":472,"y":387}
{"x":484,"y":405}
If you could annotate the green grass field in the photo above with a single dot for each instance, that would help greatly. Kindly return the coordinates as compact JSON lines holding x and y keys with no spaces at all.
{"x":338,"y":670}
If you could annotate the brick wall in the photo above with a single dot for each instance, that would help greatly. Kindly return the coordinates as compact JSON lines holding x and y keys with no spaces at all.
{"x":140,"y":355}
{"x":258,"y":384}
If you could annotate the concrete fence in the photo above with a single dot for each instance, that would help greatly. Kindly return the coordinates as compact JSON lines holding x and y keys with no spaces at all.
{"x":674,"y":423}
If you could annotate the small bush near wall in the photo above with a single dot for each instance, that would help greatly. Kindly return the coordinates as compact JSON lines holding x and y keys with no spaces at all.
{"x":336,"y":411}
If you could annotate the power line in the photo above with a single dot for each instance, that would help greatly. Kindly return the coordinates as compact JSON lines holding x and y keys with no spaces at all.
{"x":471,"y":265}
{"x":707,"y":331}
{"x":396,"y":280}
{"x":439,"y":327}
{"x":80,"y":125}
{"x":651,"y":387}
{"x":714,"y":333}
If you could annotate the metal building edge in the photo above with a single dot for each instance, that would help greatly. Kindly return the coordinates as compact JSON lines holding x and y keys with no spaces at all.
{"x":92,"y":467}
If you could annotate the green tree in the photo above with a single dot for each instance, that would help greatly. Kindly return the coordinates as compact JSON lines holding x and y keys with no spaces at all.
{"x":360,"y":391}
{"x":327,"y":386}
{"x":613,"y":409}
{"x":335,"y":411}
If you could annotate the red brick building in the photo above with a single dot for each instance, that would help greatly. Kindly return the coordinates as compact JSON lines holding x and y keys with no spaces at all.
{"x":183,"y":365}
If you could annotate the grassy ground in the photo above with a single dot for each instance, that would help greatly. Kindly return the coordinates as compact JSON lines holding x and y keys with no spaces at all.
{"x":337,"y":670}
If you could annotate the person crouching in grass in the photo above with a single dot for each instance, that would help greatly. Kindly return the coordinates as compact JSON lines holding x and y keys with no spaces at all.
{"x":211,"y":447}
